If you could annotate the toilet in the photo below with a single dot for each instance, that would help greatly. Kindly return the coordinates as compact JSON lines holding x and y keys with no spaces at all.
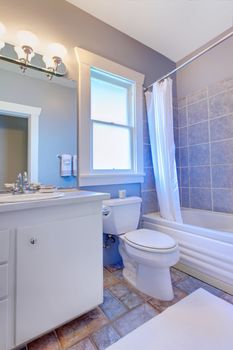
{"x":147,"y":254}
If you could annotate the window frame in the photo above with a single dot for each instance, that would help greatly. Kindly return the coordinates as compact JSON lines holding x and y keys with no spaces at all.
{"x":87,"y":175}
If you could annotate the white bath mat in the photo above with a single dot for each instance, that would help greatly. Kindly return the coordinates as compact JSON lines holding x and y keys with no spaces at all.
{"x":201,"y":321}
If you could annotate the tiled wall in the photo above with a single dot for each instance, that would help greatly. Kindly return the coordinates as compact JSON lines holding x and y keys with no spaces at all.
{"x":203,"y":130}
{"x":148,"y":191}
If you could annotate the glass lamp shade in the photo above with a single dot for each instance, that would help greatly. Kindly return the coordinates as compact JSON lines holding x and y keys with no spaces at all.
{"x":49,"y":62}
{"x":57,"y":50}
{"x":2,"y":29}
{"x":21,"y":54}
{"x":26,"y":38}
{"x":2,"y":44}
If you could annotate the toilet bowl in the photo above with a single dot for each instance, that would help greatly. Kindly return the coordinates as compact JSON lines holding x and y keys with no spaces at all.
{"x":147,"y":254}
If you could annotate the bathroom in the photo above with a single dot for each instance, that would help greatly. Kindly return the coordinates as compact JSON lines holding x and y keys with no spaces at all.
{"x":203,"y":135}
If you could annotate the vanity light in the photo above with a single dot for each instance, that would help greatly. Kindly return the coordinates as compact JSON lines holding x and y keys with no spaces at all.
{"x":56,"y":54}
{"x":25,"y":49}
{"x":2,"y":32}
{"x":27,"y":43}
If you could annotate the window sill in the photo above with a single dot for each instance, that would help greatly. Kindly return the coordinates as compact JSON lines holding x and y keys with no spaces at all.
{"x":110,"y":179}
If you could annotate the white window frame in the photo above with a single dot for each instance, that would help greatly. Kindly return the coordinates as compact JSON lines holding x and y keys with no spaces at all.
{"x":88,"y":177}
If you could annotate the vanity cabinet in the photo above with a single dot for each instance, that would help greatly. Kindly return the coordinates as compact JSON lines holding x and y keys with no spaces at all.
{"x":58,"y":270}
{"x":53,"y":271}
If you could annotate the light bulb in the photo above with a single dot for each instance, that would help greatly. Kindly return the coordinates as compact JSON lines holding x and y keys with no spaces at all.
{"x":21,"y":54}
{"x":57,"y":50}
{"x":2,"y":29}
{"x":26,"y":38}
{"x":2,"y":44}
{"x":2,"y":32}
{"x":49,"y":62}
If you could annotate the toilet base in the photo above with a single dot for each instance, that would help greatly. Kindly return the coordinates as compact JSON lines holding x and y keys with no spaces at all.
{"x":155,"y":282}
{"x":151,"y":280}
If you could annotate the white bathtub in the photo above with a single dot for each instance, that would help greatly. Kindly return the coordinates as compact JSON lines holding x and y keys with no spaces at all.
{"x":206,"y":244}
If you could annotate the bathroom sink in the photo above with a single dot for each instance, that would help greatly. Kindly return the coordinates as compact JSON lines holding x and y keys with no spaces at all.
{"x":10,"y":198}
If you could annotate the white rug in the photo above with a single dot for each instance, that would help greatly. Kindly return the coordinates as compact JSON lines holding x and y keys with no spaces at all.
{"x":201,"y":321}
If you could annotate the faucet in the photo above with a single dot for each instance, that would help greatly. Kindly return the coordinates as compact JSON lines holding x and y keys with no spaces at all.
{"x":21,"y":185}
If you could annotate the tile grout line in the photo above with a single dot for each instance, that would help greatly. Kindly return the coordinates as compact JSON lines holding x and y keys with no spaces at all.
{"x":210,"y":151}
{"x":189,"y":202}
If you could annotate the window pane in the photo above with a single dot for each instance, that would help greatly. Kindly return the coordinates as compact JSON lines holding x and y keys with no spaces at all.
{"x":111,"y":147}
{"x":109,"y":101}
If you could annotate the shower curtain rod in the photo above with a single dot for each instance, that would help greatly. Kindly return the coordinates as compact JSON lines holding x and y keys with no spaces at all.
{"x":191,"y":59}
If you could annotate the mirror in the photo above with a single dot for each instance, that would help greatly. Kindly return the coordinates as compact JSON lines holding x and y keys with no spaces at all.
{"x":38,"y":122}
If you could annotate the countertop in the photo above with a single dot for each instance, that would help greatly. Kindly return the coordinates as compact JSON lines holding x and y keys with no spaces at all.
{"x":69,"y":197}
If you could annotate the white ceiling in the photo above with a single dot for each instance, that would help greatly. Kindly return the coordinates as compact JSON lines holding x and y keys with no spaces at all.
{"x":174,"y":28}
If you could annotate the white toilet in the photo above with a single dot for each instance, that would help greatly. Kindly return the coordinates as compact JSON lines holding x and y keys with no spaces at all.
{"x":147,"y":254}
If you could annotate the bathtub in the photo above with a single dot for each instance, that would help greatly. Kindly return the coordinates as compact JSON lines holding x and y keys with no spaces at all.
{"x":206,"y":244}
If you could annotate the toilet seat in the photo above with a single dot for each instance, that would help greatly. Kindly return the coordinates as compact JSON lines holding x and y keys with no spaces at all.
{"x":150,"y":240}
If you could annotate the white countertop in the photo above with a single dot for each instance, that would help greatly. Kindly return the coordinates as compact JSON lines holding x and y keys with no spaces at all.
{"x":70,"y":197}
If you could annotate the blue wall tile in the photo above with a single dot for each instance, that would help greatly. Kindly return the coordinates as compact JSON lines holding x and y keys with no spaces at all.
{"x":199,"y":176}
{"x":221,"y":128}
{"x":223,"y":200}
{"x":184,"y":156}
{"x":197,"y":112}
{"x":182,"y":117}
{"x":147,"y":156}
{"x":221,"y":104}
{"x":197,"y":96}
{"x":199,"y":155}
{"x":222,"y":176}
{"x":198,"y":133}
{"x":200,"y":198}
{"x":183,"y":136}
{"x":184,"y":172}
{"x":222,"y":152}
{"x":185,"y":202}
{"x":149,"y":202}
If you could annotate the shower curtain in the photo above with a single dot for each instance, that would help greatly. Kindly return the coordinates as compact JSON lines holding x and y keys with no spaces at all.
{"x":160,"y":120}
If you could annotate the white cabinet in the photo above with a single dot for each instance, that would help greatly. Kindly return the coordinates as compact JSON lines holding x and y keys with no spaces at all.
{"x":59,"y":273}
{"x":3,"y":324}
{"x":51,"y":268}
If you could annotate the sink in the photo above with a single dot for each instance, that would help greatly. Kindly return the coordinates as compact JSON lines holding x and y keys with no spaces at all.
{"x":10,"y":198}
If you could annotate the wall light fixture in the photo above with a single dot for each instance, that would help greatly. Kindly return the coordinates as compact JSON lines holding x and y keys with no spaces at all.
{"x":25,"y":49}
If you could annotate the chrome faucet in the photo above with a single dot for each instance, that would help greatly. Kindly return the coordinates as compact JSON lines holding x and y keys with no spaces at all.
{"x":21,"y":185}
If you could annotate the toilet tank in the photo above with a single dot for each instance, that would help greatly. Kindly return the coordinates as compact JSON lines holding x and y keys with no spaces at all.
{"x":121,"y":215}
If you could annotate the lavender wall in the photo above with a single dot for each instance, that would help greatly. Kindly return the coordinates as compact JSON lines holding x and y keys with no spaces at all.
{"x":204,"y":138}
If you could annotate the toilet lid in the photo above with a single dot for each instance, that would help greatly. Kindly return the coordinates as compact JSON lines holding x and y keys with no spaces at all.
{"x":150,"y":239}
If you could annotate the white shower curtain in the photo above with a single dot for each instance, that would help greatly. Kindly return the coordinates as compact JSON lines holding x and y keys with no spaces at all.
{"x":160,"y":120}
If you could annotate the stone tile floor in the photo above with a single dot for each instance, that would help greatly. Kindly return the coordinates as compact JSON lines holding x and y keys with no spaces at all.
{"x":123,"y":310}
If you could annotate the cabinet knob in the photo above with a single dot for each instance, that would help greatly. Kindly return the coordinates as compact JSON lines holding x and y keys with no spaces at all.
{"x":33,"y":240}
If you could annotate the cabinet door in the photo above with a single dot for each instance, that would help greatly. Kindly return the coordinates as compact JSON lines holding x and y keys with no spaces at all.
{"x":3,"y":324}
{"x":58,"y":273}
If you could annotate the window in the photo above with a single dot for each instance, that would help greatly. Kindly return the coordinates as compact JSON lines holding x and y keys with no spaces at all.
{"x":110,"y":122}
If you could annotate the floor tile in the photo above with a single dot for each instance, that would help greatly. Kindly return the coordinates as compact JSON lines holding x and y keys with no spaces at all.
{"x":80,"y":328}
{"x":134,"y":319}
{"x":162,"y":305}
{"x":118,"y":275}
{"x":119,"y":290}
{"x":191,"y":284}
{"x":144,"y":296}
{"x":84,"y":344}
{"x":110,"y":278}
{"x":111,"y":306}
{"x":105,"y":337}
{"x":227,"y":297}
{"x":115,"y":267}
{"x":47,"y":342}
{"x":177,"y":275}
{"x":131,"y":300}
